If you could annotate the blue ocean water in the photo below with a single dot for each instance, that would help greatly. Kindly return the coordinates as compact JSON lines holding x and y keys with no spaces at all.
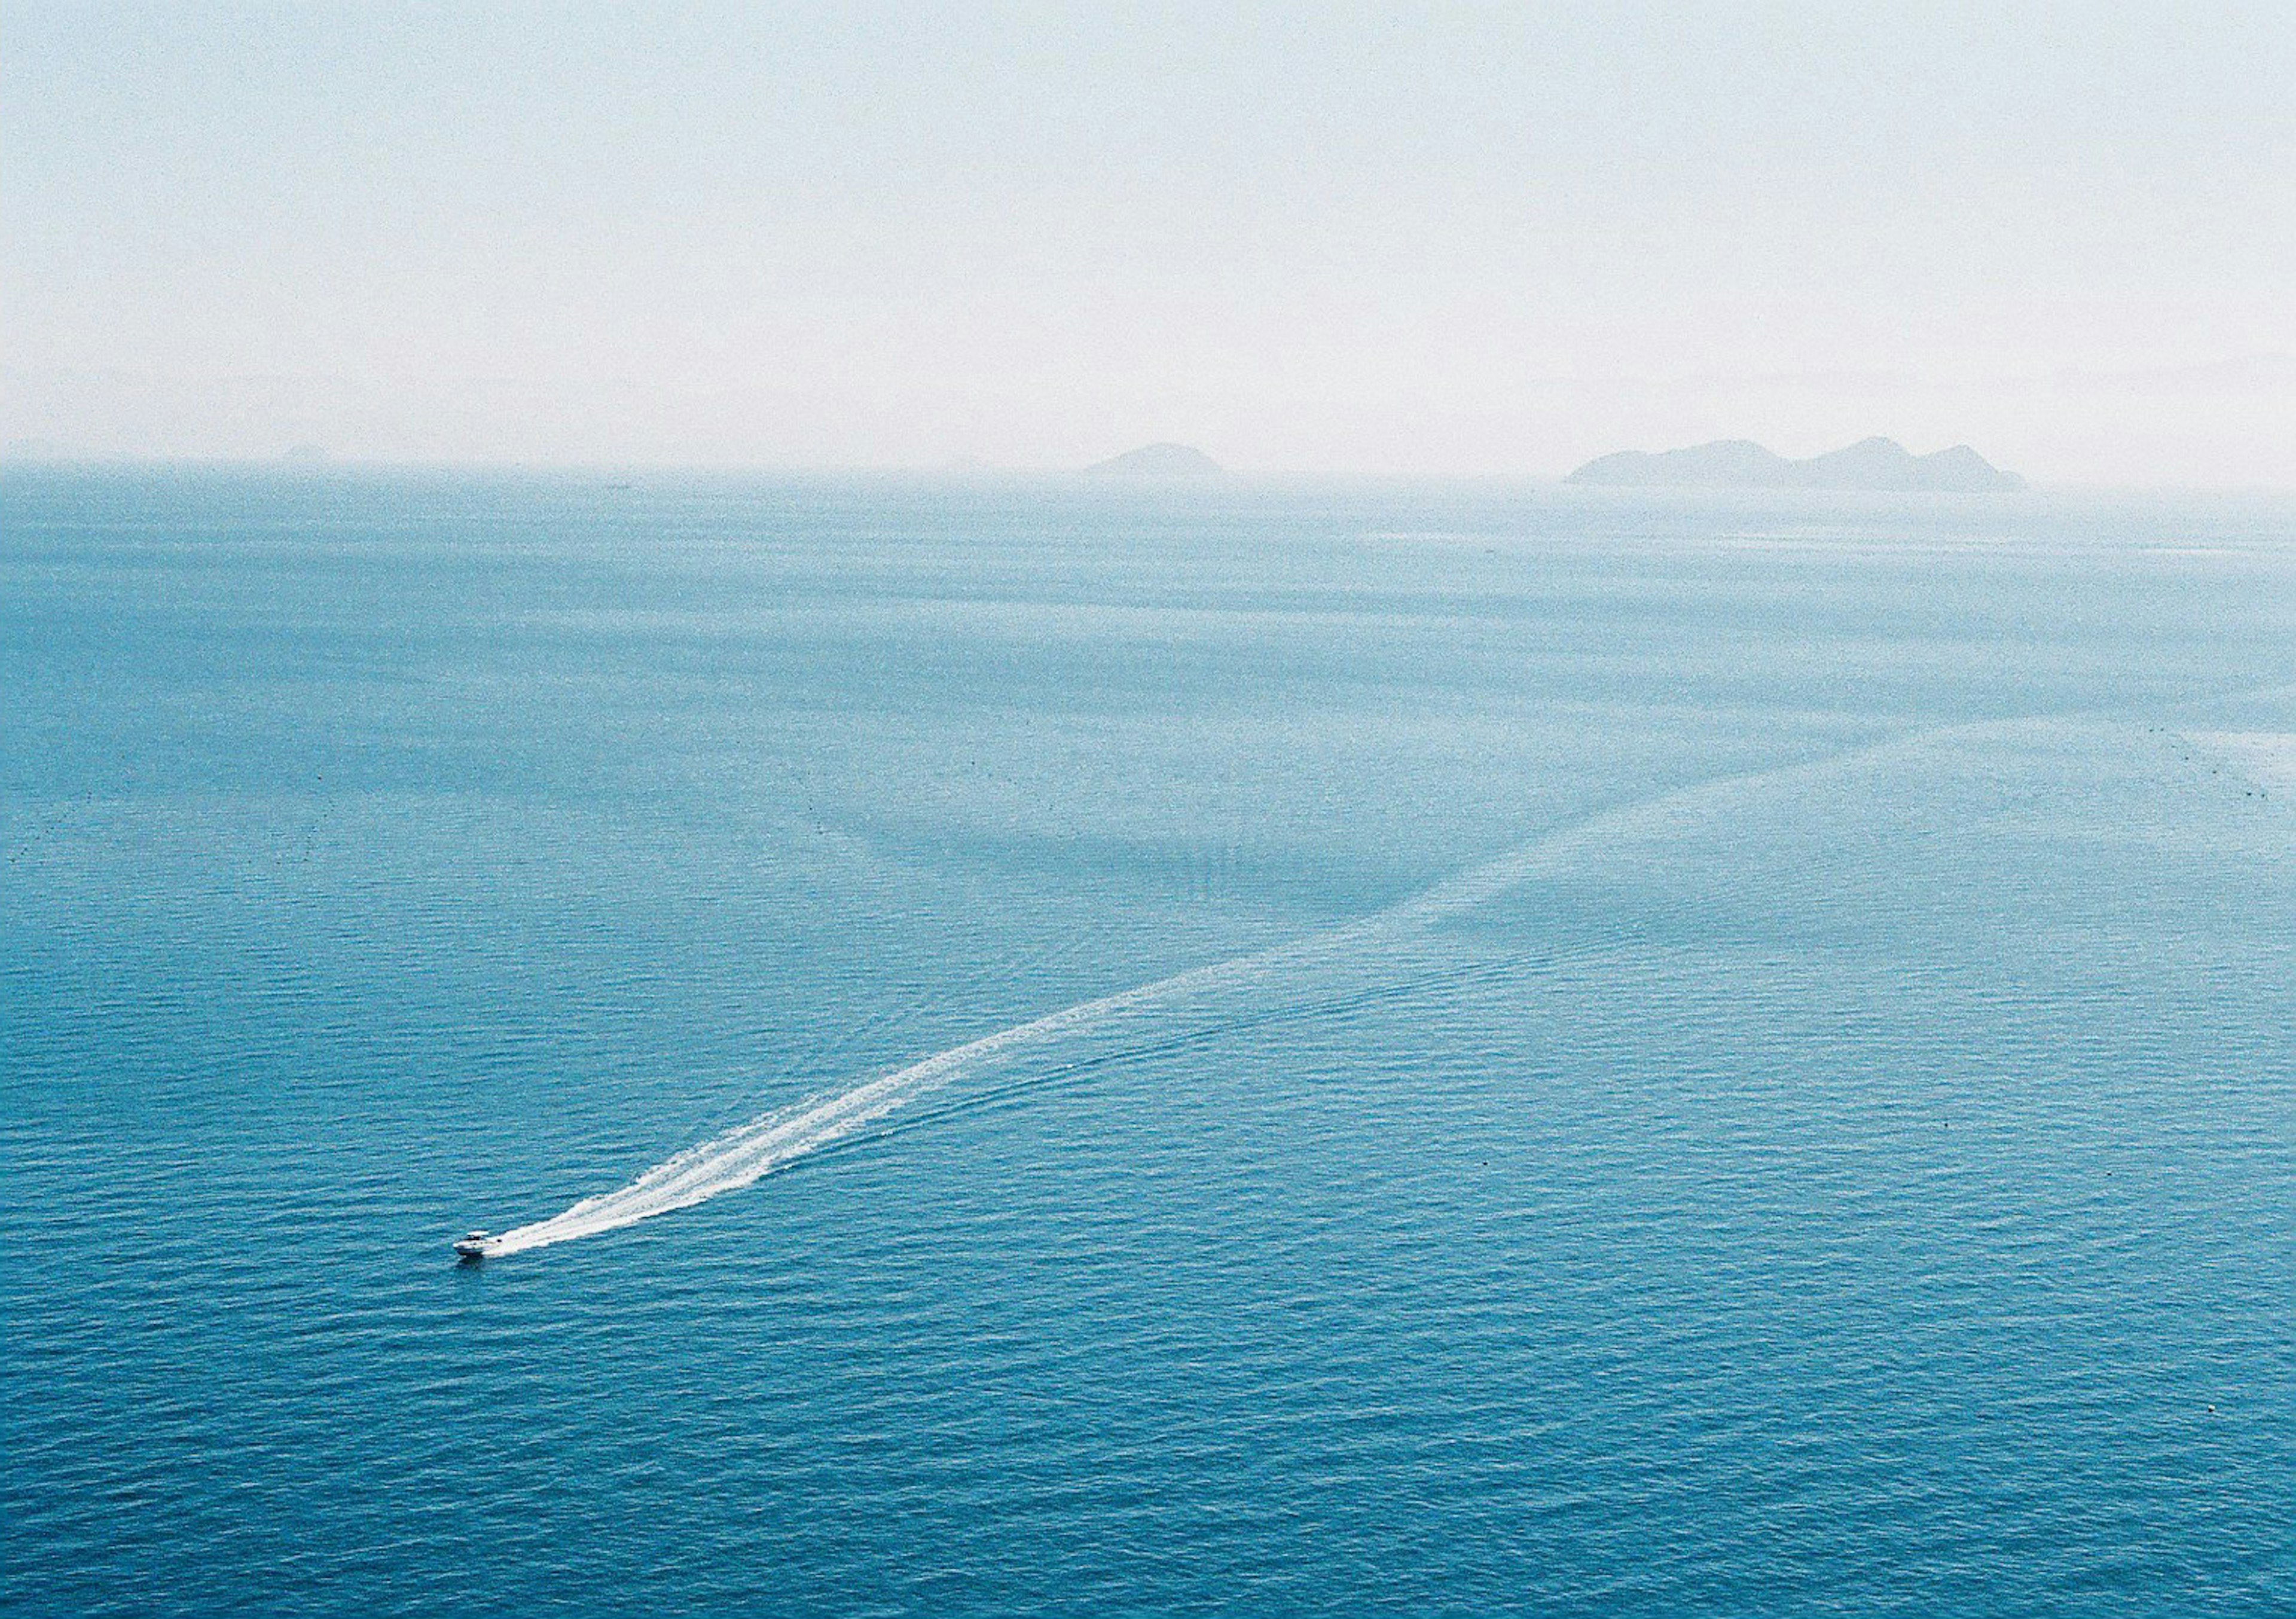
{"x":1735,"y":1056}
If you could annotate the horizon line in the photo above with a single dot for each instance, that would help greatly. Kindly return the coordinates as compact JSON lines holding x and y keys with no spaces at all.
{"x":957,"y":470}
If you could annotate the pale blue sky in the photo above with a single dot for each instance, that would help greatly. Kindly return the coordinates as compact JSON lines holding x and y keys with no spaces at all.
{"x":1476,"y":239}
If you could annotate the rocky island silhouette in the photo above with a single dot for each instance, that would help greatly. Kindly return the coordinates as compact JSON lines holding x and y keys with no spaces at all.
{"x":1881,"y":465}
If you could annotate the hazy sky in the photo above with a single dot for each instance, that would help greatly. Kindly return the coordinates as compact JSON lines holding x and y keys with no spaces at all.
{"x":1477,"y":238}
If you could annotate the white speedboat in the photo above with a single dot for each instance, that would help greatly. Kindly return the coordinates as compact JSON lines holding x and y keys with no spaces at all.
{"x":473,"y":1245}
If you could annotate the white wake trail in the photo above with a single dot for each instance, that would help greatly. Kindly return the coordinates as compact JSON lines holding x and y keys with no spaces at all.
{"x":728,"y":1162}
{"x":739,"y":1157}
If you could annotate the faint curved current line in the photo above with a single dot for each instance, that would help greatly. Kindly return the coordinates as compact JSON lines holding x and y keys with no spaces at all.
{"x":742,"y":1155}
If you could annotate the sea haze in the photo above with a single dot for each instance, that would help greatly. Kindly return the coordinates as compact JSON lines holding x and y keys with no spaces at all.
{"x":1734,"y":1057}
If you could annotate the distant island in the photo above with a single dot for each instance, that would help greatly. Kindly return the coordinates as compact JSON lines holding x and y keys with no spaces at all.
{"x":1159,"y":461}
{"x":1739,"y":464}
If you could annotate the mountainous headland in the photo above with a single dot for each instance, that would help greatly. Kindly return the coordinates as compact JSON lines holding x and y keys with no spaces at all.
{"x":1738,"y":463}
{"x":1159,"y":461}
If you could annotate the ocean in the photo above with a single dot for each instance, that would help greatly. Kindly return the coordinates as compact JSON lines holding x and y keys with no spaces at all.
{"x":1054,"y":1046}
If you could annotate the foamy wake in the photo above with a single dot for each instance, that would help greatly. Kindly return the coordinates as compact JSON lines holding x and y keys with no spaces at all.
{"x":739,"y":1157}
{"x":728,"y":1162}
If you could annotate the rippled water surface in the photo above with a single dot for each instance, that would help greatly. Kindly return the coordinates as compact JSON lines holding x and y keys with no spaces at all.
{"x":1719,"y":1056}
